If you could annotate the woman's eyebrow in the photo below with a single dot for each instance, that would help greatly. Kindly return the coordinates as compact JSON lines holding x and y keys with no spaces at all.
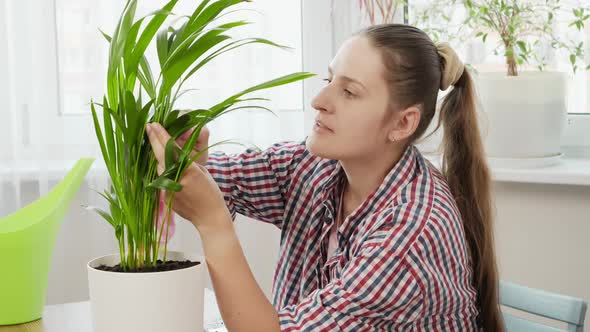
{"x":347,"y":78}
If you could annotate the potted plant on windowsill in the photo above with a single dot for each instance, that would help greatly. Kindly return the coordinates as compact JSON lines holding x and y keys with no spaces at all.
{"x":526,"y":109}
{"x":145,"y":287}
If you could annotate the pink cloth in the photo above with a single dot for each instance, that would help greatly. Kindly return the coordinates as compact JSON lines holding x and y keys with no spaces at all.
{"x":333,"y":239}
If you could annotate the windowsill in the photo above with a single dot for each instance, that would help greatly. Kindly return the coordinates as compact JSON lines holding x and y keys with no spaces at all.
{"x":569,"y":171}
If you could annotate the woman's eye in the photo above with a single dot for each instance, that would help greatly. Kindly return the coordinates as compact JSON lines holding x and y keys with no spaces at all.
{"x":347,"y":92}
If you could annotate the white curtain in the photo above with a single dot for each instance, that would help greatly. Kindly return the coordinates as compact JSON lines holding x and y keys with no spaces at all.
{"x":53,"y":61}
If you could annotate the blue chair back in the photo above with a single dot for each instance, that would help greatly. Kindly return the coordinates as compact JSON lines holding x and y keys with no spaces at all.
{"x":566,"y":309}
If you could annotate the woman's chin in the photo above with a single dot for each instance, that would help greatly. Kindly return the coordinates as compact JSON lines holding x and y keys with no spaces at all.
{"x":318,"y":146}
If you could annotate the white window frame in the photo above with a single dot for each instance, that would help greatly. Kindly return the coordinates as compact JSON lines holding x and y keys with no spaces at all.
{"x":69,"y":134}
{"x":576,"y":139}
{"x":318,"y":51}
{"x":317,"y":46}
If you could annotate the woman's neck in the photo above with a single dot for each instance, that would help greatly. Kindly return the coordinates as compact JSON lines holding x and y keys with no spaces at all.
{"x":365,"y":175}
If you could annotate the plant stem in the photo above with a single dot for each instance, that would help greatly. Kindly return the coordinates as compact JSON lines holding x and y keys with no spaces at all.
{"x":168,"y":215}
{"x":511,"y":63}
{"x":122,"y":253}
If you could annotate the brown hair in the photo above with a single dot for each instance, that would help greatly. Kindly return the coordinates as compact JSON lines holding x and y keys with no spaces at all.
{"x":414,"y":70}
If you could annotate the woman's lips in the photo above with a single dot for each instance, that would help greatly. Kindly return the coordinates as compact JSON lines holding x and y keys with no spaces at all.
{"x":319,"y":126}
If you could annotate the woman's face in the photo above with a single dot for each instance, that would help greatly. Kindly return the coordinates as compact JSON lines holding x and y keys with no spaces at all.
{"x":353,"y":120}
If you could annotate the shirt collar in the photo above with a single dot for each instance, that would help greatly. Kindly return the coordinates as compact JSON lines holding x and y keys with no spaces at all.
{"x":396,"y":179}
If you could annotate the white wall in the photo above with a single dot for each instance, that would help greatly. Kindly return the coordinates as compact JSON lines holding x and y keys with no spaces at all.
{"x":543,"y":237}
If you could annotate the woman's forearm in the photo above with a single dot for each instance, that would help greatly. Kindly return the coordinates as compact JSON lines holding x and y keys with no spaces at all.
{"x":243,"y":305}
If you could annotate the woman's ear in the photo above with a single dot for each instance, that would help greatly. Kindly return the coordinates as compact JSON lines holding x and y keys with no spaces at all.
{"x":406,"y":123}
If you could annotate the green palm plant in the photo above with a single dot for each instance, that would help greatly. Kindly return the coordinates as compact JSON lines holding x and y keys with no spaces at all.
{"x":135,"y":97}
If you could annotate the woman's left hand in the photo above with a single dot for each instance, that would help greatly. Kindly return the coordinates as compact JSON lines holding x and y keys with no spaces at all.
{"x":200,"y":199}
{"x":243,"y":305}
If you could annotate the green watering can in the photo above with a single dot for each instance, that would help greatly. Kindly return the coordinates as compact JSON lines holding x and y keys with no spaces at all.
{"x":26,"y":246}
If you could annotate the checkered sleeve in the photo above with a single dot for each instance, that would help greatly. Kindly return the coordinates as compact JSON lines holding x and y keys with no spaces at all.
{"x":376,"y":291}
{"x":254,"y":183}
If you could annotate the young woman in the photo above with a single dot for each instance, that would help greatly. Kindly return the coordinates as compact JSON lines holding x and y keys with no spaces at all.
{"x":373,"y":237}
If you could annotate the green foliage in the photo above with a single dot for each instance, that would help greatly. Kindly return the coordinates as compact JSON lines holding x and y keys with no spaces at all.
{"x":135,"y":97}
{"x":522,"y":28}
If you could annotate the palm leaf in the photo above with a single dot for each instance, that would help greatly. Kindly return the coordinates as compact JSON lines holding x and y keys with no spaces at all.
{"x":126,"y":150}
{"x":117,"y":44}
{"x":176,"y":67}
{"x":165,"y":184}
{"x":106,"y":216}
{"x":147,"y":35}
{"x":99,"y":136}
{"x":266,"y":85}
{"x":108,"y":132}
{"x":169,"y":153}
{"x":203,"y":16}
{"x":174,"y":43}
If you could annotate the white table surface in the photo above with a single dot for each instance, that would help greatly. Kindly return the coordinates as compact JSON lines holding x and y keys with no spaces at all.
{"x":76,"y":316}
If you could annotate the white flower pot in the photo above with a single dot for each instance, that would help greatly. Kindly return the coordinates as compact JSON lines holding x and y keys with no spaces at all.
{"x":147,"y":302}
{"x":525,"y":115}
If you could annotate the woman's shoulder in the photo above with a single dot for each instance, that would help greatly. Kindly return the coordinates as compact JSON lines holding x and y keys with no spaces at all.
{"x":440,"y":194}
{"x":423,"y":200}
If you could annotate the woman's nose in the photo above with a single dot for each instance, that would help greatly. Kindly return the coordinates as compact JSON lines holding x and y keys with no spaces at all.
{"x":320,"y":101}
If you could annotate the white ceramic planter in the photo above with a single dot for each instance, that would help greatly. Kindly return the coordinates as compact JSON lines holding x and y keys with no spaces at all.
{"x":147,"y":302}
{"x":525,"y":115}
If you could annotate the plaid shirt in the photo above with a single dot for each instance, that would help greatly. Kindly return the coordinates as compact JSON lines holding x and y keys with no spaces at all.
{"x":402,"y":262}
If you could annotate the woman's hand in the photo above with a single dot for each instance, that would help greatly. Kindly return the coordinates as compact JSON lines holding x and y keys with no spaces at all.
{"x":242,"y":303}
{"x":200,"y":199}
{"x":200,"y":146}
